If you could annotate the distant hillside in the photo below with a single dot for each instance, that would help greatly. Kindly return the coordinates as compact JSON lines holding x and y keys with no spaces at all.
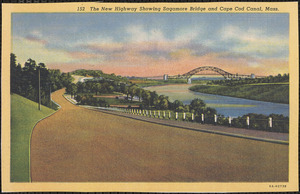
{"x":98,"y":73}
{"x":24,"y":115}
{"x":268,"y":92}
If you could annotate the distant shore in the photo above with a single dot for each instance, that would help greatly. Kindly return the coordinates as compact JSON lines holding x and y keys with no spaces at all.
{"x":277,"y":93}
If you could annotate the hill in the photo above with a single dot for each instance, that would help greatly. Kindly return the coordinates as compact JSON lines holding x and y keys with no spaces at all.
{"x":24,"y":116}
{"x":269,"y":92}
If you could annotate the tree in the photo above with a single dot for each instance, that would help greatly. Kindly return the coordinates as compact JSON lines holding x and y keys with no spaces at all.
{"x":72,"y":89}
{"x":176,"y":104}
{"x":139,"y":92}
{"x":164,"y":104}
{"x":153,"y":98}
{"x":126,"y":91}
{"x":66,"y":79}
{"x":198,"y":106}
{"x":25,"y":82}
{"x":54,"y":75}
{"x":132,"y":91}
{"x":97,"y":74}
{"x":210,"y":112}
{"x":98,"y":88}
{"x":146,"y":95}
{"x":14,"y":73}
{"x":30,"y":65}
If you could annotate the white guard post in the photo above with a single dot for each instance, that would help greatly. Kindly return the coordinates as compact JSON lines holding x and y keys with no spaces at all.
{"x":248,"y":121}
{"x":270,"y":122}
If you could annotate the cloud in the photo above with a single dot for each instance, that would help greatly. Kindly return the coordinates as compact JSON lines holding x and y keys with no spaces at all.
{"x":104,"y":47}
{"x":187,"y":35}
{"x":35,"y":39}
{"x":255,"y":42}
{"x":138,"y":33}
{"x":36,"y":36}
{"x":25,"y":48}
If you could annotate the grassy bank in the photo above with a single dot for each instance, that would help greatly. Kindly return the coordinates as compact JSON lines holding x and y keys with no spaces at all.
{"x":278,"y":93}
{"x":24,"y":115}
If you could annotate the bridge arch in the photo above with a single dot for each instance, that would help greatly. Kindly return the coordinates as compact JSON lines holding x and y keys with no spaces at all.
{"x":225,"y":74}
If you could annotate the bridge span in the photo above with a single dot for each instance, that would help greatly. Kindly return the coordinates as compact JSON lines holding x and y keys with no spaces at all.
{"x":199,"y":70}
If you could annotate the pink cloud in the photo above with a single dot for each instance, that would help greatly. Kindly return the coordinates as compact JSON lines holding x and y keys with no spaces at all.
{"x":82,"y":55}
{"x":104,"y":47}
{"x":36,"y":39}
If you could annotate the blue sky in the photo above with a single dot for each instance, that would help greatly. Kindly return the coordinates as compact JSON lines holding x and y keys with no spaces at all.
{"x":148,"y":44}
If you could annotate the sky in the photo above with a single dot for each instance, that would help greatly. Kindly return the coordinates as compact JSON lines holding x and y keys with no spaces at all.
{"x":153,"y":44}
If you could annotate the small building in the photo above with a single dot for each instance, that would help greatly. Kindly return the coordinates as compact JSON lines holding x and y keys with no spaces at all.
{"x":252,"y":76}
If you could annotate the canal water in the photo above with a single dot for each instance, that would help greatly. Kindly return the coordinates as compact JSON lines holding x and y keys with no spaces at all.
{"x":227,"y":106}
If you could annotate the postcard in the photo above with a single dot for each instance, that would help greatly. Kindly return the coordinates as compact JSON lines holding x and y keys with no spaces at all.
{"x":150,"y":97}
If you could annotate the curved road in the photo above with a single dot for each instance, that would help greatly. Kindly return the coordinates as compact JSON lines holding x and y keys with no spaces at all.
{"x":79,"y":145}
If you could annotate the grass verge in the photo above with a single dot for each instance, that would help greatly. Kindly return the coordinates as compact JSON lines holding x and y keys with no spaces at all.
{"x":24,"y":116}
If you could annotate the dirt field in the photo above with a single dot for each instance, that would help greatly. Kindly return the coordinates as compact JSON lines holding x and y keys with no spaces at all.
{"x":76,"y":144}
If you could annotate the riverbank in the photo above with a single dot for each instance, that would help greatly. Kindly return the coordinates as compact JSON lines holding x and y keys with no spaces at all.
{"x":149,"y":83}
{"x":278,"y":93}
{"x":225,"y":105}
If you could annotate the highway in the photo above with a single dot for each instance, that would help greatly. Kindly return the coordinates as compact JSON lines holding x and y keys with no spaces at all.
{"x":81,"y":145}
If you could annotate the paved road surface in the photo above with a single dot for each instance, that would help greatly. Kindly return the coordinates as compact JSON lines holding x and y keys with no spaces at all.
{"x":282,"y":138}
{"x":77,"y":144}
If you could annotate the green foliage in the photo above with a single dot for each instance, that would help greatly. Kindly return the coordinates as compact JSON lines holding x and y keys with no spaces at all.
{"x":84,"y":72}
{"x":270,"y":79}
{"x":24,"y":115}
{"x":99,"y":74}
{"x":90,"y":100}
{"x":25,"y":80}
{"x":71,"y":89}
{"x":197,"y":106}
{"x":266,"y":92}
{"x":280,"y":123}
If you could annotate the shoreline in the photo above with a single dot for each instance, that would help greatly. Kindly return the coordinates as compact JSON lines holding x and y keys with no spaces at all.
{"x":240,"y":97}
{"x":215,"y":94}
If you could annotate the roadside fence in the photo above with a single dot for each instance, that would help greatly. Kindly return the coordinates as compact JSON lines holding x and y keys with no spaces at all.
{"x":266,"y":124}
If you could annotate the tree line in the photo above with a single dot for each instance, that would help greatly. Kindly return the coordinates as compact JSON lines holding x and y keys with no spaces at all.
{"x":25,"y":80}
{"x":270,"y":79}
{"x":98,"y":74}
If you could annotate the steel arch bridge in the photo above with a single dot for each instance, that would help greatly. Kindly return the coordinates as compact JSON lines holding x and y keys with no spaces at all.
{"x":225,"y":74}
